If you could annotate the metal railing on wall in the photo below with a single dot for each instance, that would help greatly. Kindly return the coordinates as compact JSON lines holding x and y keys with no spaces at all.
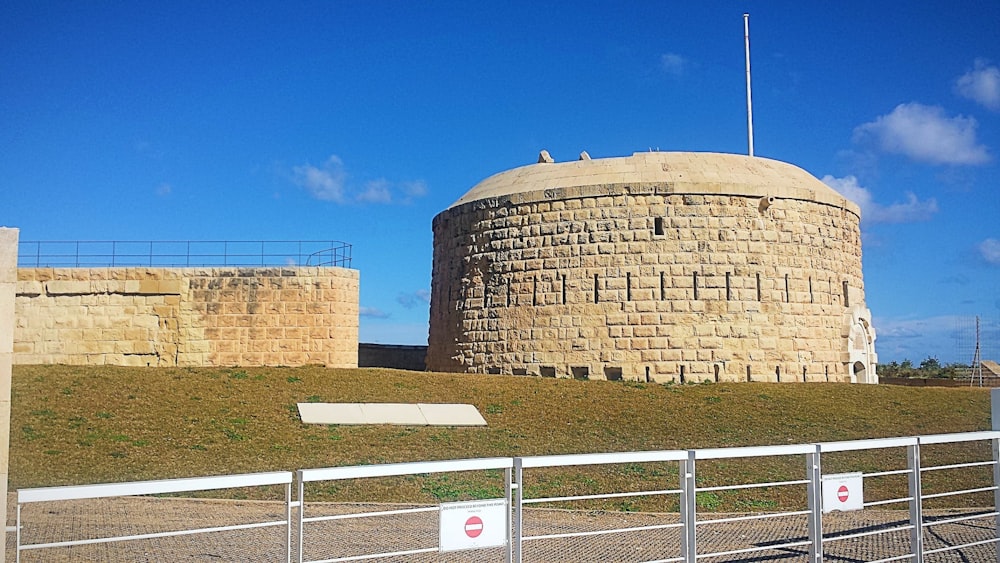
{"x":174,"y":254}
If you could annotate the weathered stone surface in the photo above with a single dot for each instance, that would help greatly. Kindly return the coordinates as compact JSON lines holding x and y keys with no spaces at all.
{"x":186,"y":316}
{"x":675,"y":266}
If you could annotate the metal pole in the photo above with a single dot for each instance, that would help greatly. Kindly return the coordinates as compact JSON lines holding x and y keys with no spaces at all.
{"x":301,"y":514}
{"x":814,"y":473}
{"x":746,"y":45}
{"x":510,"y":486}
{"x":288,"y":523}
{"x":518,"y":524}
{"x":689,"y":537}
{"x":916,"y":503}
{"x":996,"y":491}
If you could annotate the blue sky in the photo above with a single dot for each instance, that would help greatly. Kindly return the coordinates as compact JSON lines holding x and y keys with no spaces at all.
{"x":360,"y":121}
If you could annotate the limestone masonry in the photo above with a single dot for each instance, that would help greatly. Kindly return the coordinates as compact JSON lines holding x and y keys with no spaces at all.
{"x":187,"y":316}
{"x":656,"y":267}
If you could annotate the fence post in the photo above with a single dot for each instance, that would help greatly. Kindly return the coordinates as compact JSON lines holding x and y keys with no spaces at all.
{"x":814,"y":473}
{"x":996,"y":483}
{"x":689,"y":547}
{"x":518,"y":524}
{"x":509,"y":487}
{"x":916,"y":503}
{"x":301,"y":513}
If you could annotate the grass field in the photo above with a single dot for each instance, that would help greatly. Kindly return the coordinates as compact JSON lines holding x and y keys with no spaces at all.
{"x":75,"y":425}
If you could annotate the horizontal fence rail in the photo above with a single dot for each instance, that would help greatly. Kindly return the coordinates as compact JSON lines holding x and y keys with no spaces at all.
{"x":138,"y":488}
{"x":176,"y":254}
{"x":683,"y":479}
{"x":395,"y":470}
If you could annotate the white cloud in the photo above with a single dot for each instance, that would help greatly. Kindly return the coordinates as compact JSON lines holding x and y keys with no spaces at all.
{"x":325,"y":182}
{"x":926,"y":134}
{"x":950,"y":338}
{"x":414,"y":189}
{"x":673,"y":64}
{"x":409,"y":300}
{"x":376,"y":191}
{"x":909,"y":211}
{"x":981,"y":85}
{"x":329,"y":183}
{"x":372,"y":313}
{"x":990,"y":250}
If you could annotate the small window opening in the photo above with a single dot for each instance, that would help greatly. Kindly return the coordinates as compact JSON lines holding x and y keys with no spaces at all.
{"x":696,"y":285}
{"x":788,"y":297}
{"x":663,"y":286}
{"x":811,"y":300}
{"x":547,"y":371}
{"x":758,"y":287}
{"x":777,"y":373}
{"x":508,"y":292}
{"x":534,"y":290}
{"x":596,"y":296}
{"x":847,"y":300}
{"x":580,"y":372}
{"x":682,"y":374}
{"x":564,"y":289}
{"x":628,"y":286}
{"x":826,"y":373}
{"x":613,"y":374}
{"x":716,"y":373}
{"x":519,"y":371}
{"x":748,"y":375}
{"x":803,"y":374}
{"x":647,"y":374}
{"x":658,"y":226}
{"x":729,"y":292}
{"x":493,"y":371}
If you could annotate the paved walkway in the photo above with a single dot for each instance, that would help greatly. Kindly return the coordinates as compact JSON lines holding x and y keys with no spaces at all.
{"x":48,"y":522}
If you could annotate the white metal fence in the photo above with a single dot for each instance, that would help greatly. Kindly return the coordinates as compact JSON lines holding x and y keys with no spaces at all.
{"x":136,"y":488}
{"x":337,"y":531}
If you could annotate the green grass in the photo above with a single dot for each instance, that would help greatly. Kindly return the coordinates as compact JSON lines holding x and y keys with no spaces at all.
{"x":123,"y":424}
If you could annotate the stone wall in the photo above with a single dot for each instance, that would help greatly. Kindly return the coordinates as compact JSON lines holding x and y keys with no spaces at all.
{"x":395,"y":356}
{"x":680,"y":281}
{"x":187,"y":316}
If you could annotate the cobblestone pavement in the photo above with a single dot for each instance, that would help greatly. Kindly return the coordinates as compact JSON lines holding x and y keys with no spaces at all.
{"x":59,"y":521}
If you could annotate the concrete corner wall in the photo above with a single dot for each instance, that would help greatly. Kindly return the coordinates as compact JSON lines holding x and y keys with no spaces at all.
{"x":8,"y":282}
{"x":187,"y":316}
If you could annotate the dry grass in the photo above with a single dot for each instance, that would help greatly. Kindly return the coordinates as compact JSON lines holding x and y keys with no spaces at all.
{"x":74,"y":425}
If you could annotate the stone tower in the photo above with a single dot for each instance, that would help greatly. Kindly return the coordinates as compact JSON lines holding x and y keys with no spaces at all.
{"x":657,"y":267}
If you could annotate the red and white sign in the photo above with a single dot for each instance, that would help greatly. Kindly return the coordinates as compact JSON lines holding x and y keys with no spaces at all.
{"x":843,"y":491}
{"x":474,"y":524}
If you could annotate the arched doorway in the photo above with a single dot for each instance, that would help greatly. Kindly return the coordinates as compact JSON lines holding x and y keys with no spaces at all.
{"x":861,"y":348}
{"x":860,"y":372}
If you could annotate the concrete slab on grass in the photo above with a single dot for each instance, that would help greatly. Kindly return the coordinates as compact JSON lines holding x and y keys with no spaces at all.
{"x":393,"y":413}
{"x":405,"y":414}
{"x":327,"y":413}
{"x":451,"y":415}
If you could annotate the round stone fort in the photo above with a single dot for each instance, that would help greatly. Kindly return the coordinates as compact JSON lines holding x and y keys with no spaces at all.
{"x":658,"y":267}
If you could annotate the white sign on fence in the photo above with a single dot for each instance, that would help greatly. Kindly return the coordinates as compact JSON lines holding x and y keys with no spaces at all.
{"x":843,"y":491}
{"x":473,"y":524}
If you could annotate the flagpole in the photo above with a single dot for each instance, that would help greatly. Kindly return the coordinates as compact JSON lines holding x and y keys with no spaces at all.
{"x":746,"y":44}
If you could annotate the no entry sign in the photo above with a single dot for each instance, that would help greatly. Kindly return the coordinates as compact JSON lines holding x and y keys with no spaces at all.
{"x":474,"y":524}
{"x":843,"y":491}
